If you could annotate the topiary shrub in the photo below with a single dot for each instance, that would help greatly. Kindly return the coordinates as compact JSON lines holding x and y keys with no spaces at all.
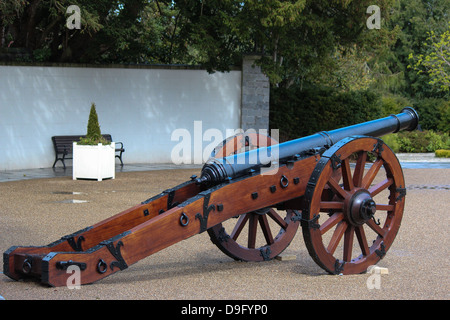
{"x":94,"y":135}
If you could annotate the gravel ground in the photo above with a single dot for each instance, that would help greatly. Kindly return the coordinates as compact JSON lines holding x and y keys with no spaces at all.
{"x":40,"y":211}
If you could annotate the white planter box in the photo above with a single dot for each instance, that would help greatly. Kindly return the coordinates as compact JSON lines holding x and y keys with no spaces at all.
{"x":94,"y":162}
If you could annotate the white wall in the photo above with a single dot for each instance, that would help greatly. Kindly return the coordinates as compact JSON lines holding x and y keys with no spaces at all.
{"x":140,"y":107}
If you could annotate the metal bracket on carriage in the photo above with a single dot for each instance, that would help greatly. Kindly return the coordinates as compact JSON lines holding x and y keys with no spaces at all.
{"x":338,"y":267}
{"x":115,"y":251}
{"x":335,"y":161}
{"x":312,"y":223}
{"x":63,"y":265}
{"x":310,"y":152}
{"x":402,"y":193}
{"x":170,"y":196}
{"x":76,"y":246}
{"x":265,"y":253}
{"x":70,"y":238}
{"x":297,"y":216}
{"x":382,"y":252}
{"x":206,"y":210}
{"x":378,"y":147}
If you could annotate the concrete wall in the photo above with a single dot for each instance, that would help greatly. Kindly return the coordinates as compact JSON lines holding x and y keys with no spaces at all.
{"x":139,"y":106}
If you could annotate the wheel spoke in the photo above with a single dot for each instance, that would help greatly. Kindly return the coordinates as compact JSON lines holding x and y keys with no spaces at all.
{"x":337,"y":236}
{"x":239,"y":226}
{"x":326,"y":205}
{"x":266,"y":229}
{"x":337,"y":188}
{"x":359,"y":169}
{"x":385,"y":207}
{"x":331,"y":222}
{"x":277,"y":218}
{"x":348,"y":243}
{"x":376,"y":189}
{"x":347,"y":175}
{"x":371,"y":174}
{"x":375,"y":228}
{"x":362,"y":240}
{"x":252,"y":228}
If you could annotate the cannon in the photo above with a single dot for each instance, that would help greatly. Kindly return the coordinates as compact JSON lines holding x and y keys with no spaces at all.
{"x":344,"y":187}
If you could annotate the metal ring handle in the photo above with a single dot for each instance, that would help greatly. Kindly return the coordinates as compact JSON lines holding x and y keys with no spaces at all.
{"x":102,"y":266}
{"x":27,"y":265}
{"x":284,"y":181}
{"x":184,"y":219}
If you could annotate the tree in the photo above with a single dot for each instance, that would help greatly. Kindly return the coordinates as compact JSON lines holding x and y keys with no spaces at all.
{"x":436,"y":63}
{"x":93,"y":135}
{"x":112,"y":31}
{"x":414,"y":19}
{"x":298,"y":40}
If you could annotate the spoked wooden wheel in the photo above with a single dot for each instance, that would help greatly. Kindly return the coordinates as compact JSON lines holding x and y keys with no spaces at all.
{"x":364,"y":204}
{"x":251,"y":236}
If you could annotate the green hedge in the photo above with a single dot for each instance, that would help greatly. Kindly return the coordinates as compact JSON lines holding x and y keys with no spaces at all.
{"x":434,"y":114}
{"x":300,"y":113}
{"x":417,"y":141}
{"x":442,"y":153}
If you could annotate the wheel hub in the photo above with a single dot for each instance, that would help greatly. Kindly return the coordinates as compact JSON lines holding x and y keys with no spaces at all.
{"x":360,"y":207}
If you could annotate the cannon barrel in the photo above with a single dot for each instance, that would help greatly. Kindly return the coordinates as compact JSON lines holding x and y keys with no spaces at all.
{"x":218,"y":170}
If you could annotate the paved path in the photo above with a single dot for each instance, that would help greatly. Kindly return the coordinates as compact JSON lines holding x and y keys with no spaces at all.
{"x":407,"y":160}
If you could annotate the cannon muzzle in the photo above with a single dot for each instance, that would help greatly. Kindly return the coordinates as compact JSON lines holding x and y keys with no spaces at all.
{"x":218,"y":170}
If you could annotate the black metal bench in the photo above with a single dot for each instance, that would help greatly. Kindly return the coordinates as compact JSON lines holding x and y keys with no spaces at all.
{"x":63,"y":146}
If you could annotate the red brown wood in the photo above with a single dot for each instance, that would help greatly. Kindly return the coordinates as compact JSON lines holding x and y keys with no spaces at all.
{"x":117,"y":242}
{"x":241,"y":245}
{"x":242,"y":142}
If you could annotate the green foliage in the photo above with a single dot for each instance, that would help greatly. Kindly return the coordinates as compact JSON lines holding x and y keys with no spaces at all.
{"x":42,"y":55}
{"x":415,"y":19}
{"x":442,"y":153}
{"x":93,"y":128}
{"x":392,"y":141}
{"x":132,"y":31}
{"x":298,"y":113}
{"x":417,"y":141}
{"x":444,"y":121}
{"x":300,"y":40}
{"x":393,"y":104}
{"x":436,"y":62}
{"x":94,"y":135}
{"x":434,"y":114}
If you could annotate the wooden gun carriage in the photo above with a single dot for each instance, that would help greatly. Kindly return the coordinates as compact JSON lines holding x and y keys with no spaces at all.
{"x":339,"y":186}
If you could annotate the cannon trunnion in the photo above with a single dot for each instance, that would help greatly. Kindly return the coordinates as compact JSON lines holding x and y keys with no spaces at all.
{"x":345,"y":188}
